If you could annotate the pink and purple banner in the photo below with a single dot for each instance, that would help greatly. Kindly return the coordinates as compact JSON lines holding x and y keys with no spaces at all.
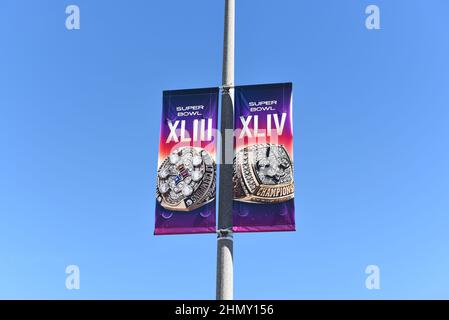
{"x":263,"y":164}
{"x":186,"y":178}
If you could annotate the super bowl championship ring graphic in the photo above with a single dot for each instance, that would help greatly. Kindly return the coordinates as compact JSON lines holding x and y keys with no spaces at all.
{"x":186,"y":179}
{"x":263,"y":173}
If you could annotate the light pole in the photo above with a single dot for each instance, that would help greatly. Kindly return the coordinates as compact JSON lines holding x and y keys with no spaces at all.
{"x":225,"y":263}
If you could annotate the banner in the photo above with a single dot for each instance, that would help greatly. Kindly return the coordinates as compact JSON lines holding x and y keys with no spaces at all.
{"x":186,"y":178}
{"x":263,"y":163}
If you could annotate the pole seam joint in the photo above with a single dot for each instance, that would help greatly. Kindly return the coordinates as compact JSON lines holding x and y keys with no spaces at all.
{"x":226,"y":233}
{"x":226,"y":88}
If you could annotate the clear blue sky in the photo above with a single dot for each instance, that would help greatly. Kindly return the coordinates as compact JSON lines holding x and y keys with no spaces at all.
{"x":79,"y":125}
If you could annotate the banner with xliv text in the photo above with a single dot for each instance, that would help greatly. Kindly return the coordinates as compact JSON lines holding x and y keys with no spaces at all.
{"x":186,"y":177}
{"x":263,"y":163}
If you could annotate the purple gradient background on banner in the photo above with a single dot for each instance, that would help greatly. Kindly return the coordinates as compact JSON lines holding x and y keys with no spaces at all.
{"x":254,"y":217}
{"x":201,"y":220}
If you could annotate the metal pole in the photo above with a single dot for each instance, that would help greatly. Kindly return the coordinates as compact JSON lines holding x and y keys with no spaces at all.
{"x":225,"y":263}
